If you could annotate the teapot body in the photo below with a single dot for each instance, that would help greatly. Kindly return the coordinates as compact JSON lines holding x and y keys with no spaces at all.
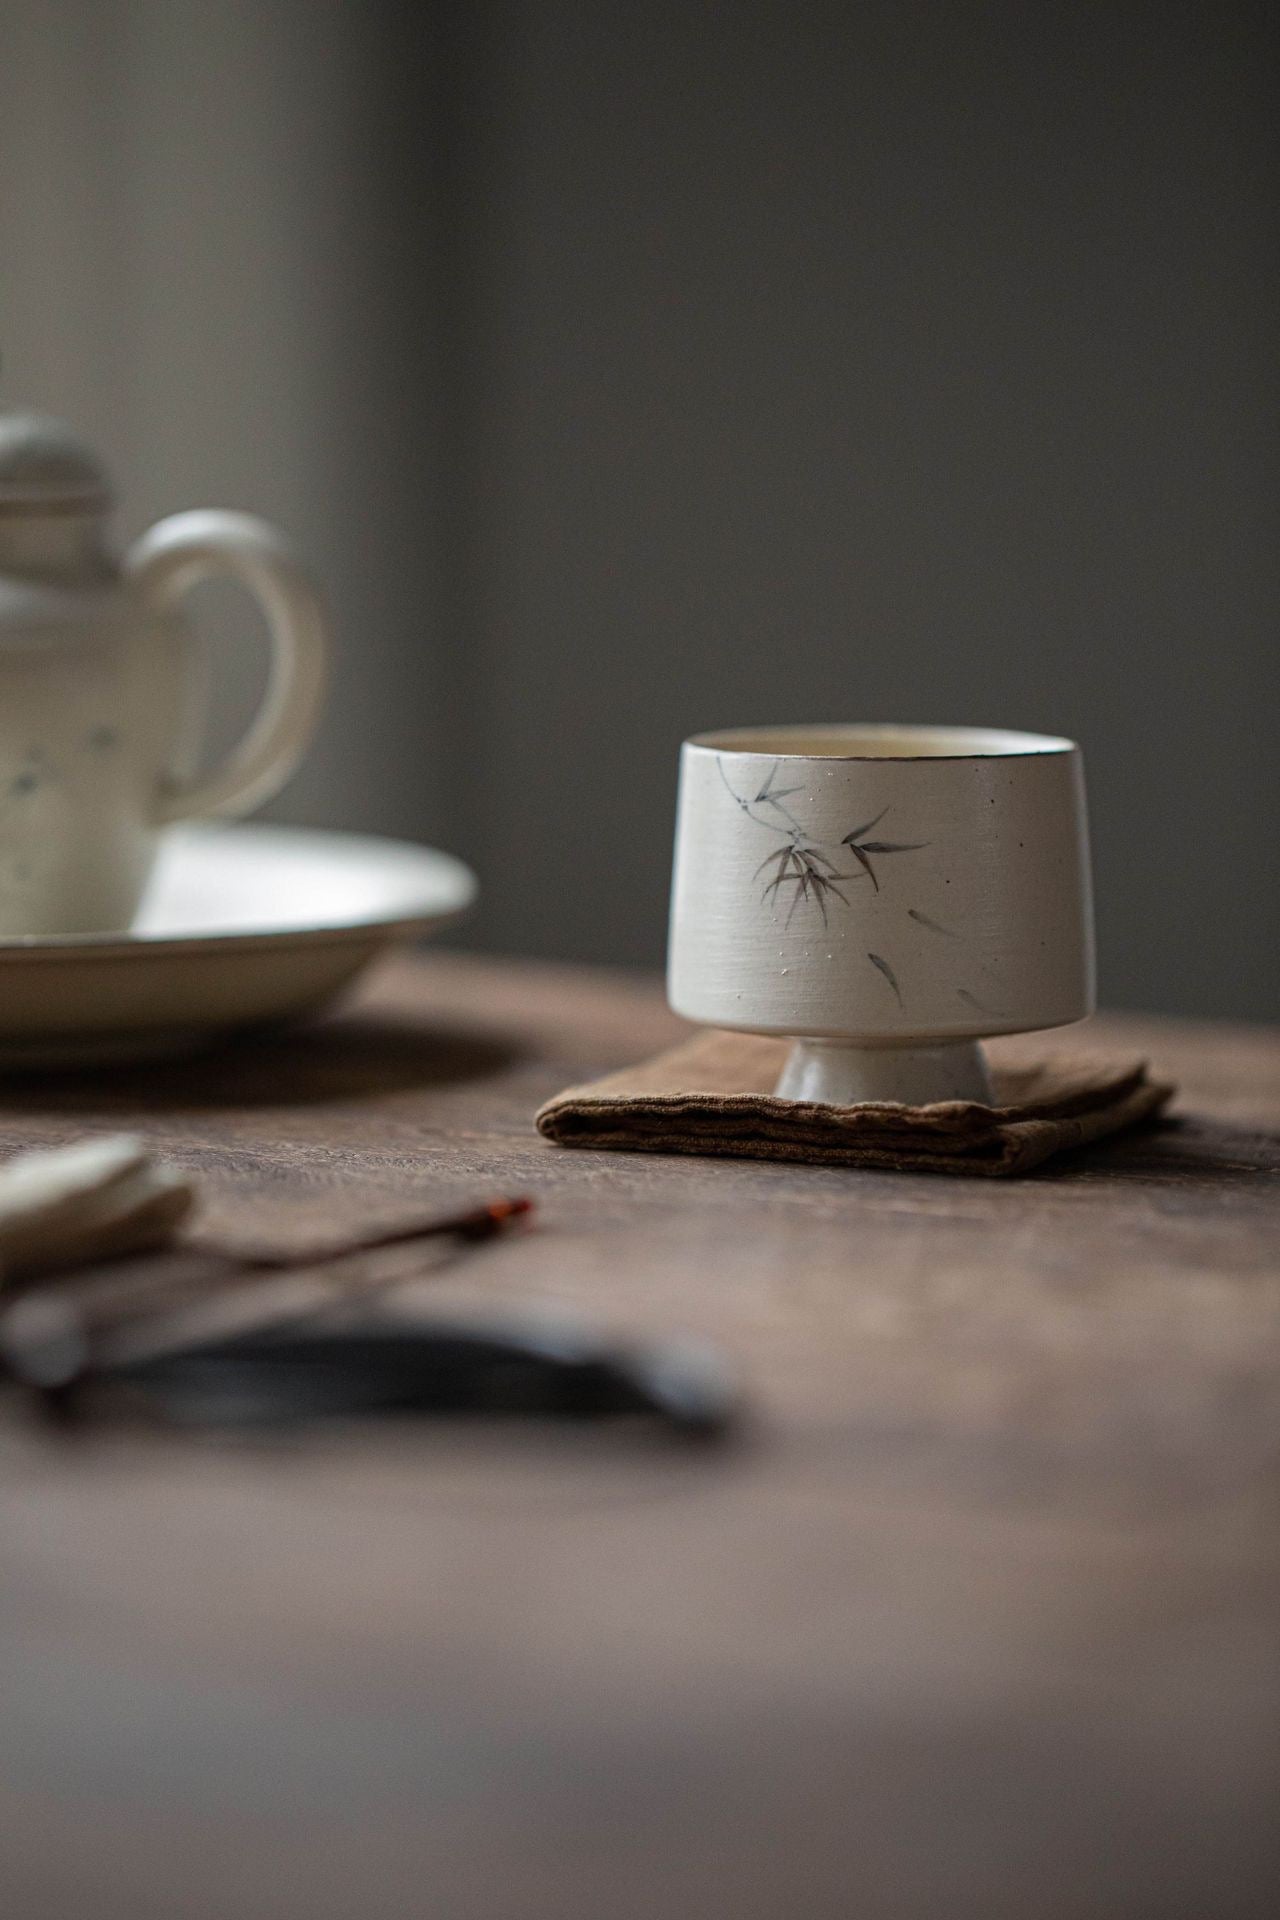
{"x":90,"y":710}
{"x":99,"y":683}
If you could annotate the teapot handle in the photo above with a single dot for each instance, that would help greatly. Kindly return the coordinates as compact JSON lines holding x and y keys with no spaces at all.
{"x":190,"y":547}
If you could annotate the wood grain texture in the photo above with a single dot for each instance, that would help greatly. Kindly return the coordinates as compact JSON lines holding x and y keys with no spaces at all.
{"x":980,"y":1617}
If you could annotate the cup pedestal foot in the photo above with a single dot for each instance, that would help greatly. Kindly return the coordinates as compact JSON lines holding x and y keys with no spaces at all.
{"x":837,"y":1074}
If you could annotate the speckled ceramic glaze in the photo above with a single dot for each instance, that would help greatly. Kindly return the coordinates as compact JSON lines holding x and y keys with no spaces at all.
{"x":96,"y":688}
{"x":887,"y":895}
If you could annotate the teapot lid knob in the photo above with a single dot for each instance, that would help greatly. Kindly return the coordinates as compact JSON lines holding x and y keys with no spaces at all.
{"x":44,"y":467}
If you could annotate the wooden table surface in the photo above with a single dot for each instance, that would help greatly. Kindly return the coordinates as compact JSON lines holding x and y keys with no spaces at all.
{"x":979,"y":1617}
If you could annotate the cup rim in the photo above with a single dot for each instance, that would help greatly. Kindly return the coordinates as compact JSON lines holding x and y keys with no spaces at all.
{"x":950,"y":742}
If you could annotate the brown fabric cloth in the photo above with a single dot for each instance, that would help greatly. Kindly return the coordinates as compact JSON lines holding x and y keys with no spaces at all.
{"x":713,"y":1095}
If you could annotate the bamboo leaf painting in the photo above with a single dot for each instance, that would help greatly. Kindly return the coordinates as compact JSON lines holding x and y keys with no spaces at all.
{"x":803,"y":874}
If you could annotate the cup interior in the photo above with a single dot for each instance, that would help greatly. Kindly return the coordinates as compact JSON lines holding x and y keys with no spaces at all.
{"x":885,"y":742}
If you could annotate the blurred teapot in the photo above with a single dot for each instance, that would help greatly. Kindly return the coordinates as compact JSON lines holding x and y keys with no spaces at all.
{"x":98,"y":682}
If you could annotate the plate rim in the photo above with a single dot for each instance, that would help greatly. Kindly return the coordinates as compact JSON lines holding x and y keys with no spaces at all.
{"x":117,"y":945}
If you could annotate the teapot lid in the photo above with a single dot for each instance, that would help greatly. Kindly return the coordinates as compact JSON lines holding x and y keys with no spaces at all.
{"x":45,"y":468}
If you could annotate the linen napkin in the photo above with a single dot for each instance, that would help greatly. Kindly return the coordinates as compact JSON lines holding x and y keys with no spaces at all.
{"x":713,"y":1095}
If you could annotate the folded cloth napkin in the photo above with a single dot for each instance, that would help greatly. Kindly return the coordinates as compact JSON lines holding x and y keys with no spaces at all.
{"x":713,"y":1095}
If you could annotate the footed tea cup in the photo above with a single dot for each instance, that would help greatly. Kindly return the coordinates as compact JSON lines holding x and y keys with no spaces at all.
{"x":885,"y":896}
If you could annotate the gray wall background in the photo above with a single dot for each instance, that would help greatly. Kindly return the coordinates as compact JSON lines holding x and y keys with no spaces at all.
{"x":631,"y":370}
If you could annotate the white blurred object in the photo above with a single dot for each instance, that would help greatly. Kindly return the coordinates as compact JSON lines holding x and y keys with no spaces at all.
{"x":86,"y":1202}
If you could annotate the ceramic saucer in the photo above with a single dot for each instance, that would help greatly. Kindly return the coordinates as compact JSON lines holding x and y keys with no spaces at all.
{"x":241,"y":924}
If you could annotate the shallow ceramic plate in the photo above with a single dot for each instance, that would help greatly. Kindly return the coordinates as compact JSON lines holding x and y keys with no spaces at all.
{"x":241,"y":924}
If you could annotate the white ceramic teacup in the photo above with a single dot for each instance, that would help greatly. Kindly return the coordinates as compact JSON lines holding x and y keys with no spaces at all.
{"x":887,"y":895}
{"x":98,"y":678}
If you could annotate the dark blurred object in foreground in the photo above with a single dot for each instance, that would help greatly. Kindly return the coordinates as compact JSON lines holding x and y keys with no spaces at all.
{"x":286,"y":1374}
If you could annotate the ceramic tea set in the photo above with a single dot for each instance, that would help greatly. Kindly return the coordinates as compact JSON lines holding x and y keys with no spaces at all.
{"x":886,"y":896}
{"x":121,"y":932}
